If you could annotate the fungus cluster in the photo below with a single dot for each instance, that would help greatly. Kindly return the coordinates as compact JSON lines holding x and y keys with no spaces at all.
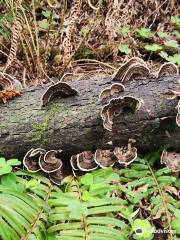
{"x":134,"y":68}
{"x":171,"y":160}
{"x":168,"y":69}
{"x":47,"y":161}
{"x":60,"y":89}
{"x":103,"y":158}
{"x":115,"y":107}
{"x":9,"y":87}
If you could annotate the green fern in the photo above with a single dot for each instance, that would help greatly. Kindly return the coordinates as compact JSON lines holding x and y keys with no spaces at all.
{"x":101,"y":205}
{"x":73,"y":218}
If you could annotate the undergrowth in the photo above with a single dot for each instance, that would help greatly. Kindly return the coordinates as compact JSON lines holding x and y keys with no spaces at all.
{"x":135,"y":202}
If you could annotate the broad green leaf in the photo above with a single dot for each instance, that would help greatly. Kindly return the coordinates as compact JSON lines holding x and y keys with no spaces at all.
{"x":43,"y":24}
{"x":171,"y":43}
{"x":6,"y":169}
{"x":124,"y":48}
{"x":13,"y":162}
{"x":123,"y":30}
{"x":162,"y":34}
{"x":46,"y":13}
{"x":176,"y":225}
{"x":8,"y":180}
{"x":153,"y":47}
{"x":143,"y":32}
{"x":175,"y":20}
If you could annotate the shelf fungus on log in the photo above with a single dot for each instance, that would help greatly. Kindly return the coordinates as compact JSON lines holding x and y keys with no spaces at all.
{"x":105,"y":158}
{"x":57,"y":176}
{"x":178,"y":114}
{"x":135,"y":68}
{"x":127,"y":154}
{"x":60,"y":89}
{"x":168,"y":69}
{"x":85,"y":161}
{"x":31,"y":159}
{"x":171,"y":160}
{"x":116,"y":106}
{"x":107,"y":93}
{"x":49,"y":162}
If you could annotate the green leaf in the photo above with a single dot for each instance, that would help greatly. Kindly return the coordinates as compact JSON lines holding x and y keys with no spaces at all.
{"x":84,"y":31}
{"x":8,"y":180}
{"x":43,"y":24}
{"x":77,"y":209}
{"x":13,"y":162}
{"x":175,"y":20}
{"x":124,"y":48}
{"x":143,"y":32}
{"x":46,"y":13}
{"x":153,"y":47}
{"x":87,"y":179}
{"x":143,"y":229}
{"x":162,"y":34}
{"x":6,"y":169}
{"x":171,"y":43}
{"x":123,"y":30}
{"x":176,"y":225}
{"x":176,"y":33}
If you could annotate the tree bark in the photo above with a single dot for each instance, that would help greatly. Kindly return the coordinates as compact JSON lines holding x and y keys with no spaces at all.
{"x":74,"y":124}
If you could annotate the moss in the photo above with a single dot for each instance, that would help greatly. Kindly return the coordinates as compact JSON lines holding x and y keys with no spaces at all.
{"x":2,"y":126}
{"x":40,"y":129}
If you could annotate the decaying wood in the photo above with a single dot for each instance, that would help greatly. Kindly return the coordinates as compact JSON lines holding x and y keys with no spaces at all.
{"x":74,"y":123}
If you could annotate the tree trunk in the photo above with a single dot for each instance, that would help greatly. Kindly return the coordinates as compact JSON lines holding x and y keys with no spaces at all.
{"x":74,"y":124}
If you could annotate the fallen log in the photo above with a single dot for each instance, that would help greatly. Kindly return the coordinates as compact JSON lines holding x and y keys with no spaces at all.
{"x":74,"y":124}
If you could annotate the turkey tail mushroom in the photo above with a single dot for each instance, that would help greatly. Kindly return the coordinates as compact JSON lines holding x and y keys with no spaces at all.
{"x":127,"y":154}
{"x":116,"y":107}
{"x":31,"y":159}
{"x":136,"y":71}
{"x":49,"y":162}
{"x":168,"y":69}
{"x":60,"y":89}
{"x":105,"y":158}
{"x":85,"y":161}
{"x":171,"y":160}
{"x":119,"y":75}
{"x":56,"y":177}
{"x":178,"y":114}
{"x":114,"y":90}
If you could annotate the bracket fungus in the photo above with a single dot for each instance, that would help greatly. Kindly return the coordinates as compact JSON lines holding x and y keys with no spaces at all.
{"x":60,"y":89}
{"x":85,"y":161}
{"x":114,"y":89}
{"x":136,"y":71}
{"x":105,"y":158}
{"x":178,"y":114}
{"x":31,"y":159}
{"x":168,"y":69}
{"x":49,"y":162}
{"x":116,"y":107}
{"x":56,"y":177}
{"x":129,"y":67}
{"x":171,"y":160}
{"x":127,"y":154}
{"x":73,"y":162}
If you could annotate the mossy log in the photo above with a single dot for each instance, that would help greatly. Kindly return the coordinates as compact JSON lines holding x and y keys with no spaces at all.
{"x":74,"y":124}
